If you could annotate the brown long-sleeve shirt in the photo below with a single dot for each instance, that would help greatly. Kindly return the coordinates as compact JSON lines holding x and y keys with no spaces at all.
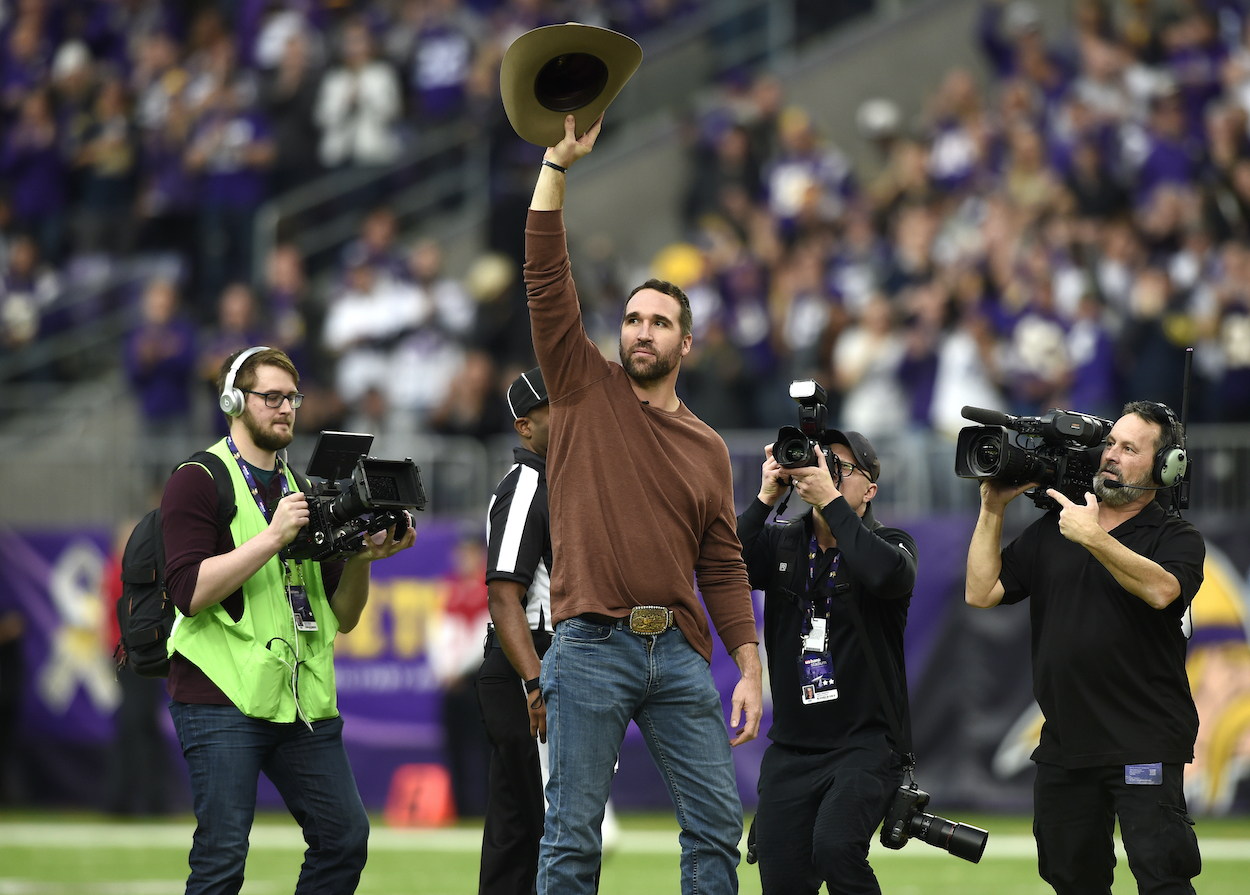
{"x":641,"y":499}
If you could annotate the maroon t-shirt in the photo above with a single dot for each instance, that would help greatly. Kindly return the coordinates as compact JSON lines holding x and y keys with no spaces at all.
{"x":189,"y":528}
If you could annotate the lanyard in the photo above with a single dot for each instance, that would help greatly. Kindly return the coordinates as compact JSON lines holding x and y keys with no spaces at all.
{"x":251,"y":481}
{"x":812,"y":551}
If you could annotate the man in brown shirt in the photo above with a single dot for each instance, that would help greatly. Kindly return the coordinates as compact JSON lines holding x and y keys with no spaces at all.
{"x":641,"y":497}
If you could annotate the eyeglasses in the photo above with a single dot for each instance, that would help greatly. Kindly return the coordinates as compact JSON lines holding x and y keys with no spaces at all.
{"x":844,"y":468}
{"x":275,"y":399}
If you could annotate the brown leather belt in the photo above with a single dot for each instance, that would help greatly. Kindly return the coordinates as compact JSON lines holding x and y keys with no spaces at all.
{"x":645,"y":620}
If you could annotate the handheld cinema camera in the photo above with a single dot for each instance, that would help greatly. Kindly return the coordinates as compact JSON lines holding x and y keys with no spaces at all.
{"x":358,"y":496}
{"x":1060,"y":449}
{"x":906,"y":819}
{"x":797,"y":447}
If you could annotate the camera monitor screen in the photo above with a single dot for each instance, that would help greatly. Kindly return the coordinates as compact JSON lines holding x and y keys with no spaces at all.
{"x":336,"y":454}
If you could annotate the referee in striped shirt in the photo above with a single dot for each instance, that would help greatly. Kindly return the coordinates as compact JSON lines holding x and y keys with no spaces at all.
{"x":518,"y":580}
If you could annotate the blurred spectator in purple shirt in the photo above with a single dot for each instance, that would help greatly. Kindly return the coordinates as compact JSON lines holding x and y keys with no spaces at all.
{"x":160,"y":360}
{"x":34,"y":168}
{"x":809,"y":180}
{"x":1171,"y":156}
{"x":24,"y":61}
{"x":444,"y":45}
{"x":232,"y":150}
{"x":1195,"y":58}
{"x":168,"y":201}
{"x":376,"y":246}
{"x":238,"y":326}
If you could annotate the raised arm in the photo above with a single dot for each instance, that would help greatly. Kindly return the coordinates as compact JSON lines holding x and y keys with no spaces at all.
{"x":982,"y":587}
{"x":549,"y":190}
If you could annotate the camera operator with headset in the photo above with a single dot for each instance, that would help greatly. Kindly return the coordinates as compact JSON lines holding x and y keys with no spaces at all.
{"x":1109,"y":581}
{"x":834,"y":580}
{"x":251,"y":676}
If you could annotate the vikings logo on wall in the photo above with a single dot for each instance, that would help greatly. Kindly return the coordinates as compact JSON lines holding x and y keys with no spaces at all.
{"x":1219,"y":677}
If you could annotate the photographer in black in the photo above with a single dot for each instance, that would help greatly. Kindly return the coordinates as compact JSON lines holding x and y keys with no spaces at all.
{"x":1109,"y":581}
{"x":833,"y":764}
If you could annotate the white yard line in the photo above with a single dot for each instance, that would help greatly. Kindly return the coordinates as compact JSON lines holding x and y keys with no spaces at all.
{"x":456,"y":839}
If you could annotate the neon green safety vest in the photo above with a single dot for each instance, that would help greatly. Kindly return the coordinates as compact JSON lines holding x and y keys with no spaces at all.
{"x":256,"y":678}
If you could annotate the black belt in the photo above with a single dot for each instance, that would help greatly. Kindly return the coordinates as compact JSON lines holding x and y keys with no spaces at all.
{"x":596,"y":619}
{"x":542,"y":639}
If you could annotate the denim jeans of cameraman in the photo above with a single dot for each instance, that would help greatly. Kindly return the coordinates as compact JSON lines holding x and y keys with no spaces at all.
{"x":226,"y":753}
{"x":817,"y":815}
{"x":595,"y":678}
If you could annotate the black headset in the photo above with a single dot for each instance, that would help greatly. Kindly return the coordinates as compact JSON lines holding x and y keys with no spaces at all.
{"x":1171,"y":460}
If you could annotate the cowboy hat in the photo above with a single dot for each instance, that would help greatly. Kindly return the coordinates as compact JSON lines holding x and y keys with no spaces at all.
{"x":552,"y":71}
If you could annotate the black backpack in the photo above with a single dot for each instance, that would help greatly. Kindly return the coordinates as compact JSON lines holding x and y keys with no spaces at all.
{"x":145,"y":615}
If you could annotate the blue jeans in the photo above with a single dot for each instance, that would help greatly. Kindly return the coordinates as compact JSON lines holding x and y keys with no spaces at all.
{"x":226,"y":752}
{"x":595,"y":678}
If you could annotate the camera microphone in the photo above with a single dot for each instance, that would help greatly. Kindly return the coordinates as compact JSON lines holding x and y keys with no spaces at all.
{"x":987,"y":417}
{"x":1112,"y":483}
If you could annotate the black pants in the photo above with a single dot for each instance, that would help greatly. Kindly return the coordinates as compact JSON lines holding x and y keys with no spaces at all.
{"x":817,"y":815}
{"x":515,"y":806}
{"x":1074,"y":814}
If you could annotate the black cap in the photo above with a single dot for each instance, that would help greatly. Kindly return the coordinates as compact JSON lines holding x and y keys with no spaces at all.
{"x":526,"y":392}
{"x":863,"y":452}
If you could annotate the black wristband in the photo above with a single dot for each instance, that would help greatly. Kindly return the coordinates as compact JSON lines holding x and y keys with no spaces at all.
{"x":531,"y":685}
{"x":554,"y":165}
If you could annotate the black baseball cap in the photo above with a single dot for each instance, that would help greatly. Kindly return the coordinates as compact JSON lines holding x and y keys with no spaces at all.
{"x":861,"y":449}
{"x":526,"y":392}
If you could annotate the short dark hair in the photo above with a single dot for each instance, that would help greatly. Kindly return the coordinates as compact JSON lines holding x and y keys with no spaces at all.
{"x":1163,"y":417}
{"x":686,"y":320}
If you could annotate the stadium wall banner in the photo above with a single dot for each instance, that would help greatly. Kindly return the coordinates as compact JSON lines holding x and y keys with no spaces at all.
{"x":975,"y":722}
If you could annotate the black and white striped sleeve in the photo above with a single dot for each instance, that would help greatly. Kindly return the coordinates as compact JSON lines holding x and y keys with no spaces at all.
{"x":516,"y":527}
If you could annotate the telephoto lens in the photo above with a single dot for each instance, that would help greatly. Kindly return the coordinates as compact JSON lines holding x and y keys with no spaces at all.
{"x":961,"y":840}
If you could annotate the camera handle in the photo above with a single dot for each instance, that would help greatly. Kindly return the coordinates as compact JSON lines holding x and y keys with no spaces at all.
{"x":902,"y":733}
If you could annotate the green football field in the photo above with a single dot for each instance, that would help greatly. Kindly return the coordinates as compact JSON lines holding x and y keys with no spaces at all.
{"x":79,"y":854}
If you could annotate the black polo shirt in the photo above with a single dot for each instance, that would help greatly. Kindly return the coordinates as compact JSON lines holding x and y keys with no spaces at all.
{"x":1108,"y":670}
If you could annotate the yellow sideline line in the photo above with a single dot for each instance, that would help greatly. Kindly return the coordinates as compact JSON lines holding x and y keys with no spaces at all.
{"x":460,"y":839}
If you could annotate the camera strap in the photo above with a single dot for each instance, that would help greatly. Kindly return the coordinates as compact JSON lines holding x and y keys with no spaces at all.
{"x":902,"y":733}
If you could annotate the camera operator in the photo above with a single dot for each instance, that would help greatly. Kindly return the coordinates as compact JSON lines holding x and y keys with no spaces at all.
{"x":1109,"y":581}
{"x":833,"y":765}
{"x":251,"y":676}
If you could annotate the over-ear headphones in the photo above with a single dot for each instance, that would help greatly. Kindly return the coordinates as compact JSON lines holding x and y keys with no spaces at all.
{"x":1171,"y":460}
{"x":232,"y":400}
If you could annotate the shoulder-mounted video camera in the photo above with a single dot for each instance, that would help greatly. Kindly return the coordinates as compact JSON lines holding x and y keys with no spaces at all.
{"x":1060,"y":449}
{"x":357,"y":496}
{"x":797,"y":447}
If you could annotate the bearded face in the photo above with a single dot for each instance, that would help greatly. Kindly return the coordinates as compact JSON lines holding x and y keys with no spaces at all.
{"x":652,"y":344}
{"x":647,"y":362}
{"x":1118,"y":497}
{"x":267,"y":436}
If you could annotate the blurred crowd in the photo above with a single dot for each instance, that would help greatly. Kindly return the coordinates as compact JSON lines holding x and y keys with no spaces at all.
{"x":1056,"y":237}
{"x":163,"y":125}
{"x":1056,"y":234}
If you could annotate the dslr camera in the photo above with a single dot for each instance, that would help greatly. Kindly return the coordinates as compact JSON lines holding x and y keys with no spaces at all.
{"x":797,"y":447}
{"x":906,"y":818}
{"x":1061,"y":449}
{"x":357,"y":497}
